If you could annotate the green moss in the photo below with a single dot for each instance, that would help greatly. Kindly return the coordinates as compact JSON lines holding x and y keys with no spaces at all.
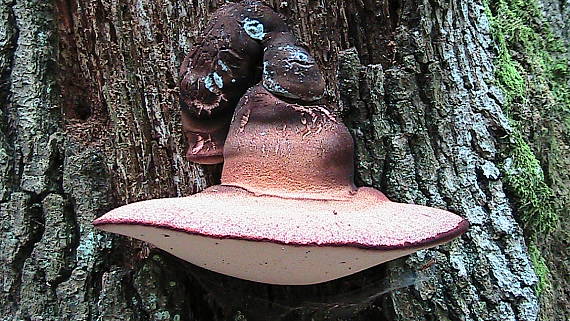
{"x":525,"y":179}
{"x":541,"y":269}
{"x":509,"y":77}
{"x":531,"y":71}
{"x":514,"y":24}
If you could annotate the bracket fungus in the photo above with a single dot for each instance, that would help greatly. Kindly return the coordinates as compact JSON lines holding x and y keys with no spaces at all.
{"x":287,"y":210}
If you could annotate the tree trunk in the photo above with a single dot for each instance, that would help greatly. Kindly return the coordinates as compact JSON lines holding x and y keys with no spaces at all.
{"x":89,"y":121}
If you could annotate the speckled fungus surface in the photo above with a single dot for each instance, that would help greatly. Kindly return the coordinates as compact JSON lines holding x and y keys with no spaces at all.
{"x":287,"y":210}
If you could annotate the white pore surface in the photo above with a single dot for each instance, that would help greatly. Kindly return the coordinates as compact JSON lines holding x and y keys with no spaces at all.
{"x":260,"y":261}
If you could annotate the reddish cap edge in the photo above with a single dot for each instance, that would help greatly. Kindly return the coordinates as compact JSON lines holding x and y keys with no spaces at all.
{"x":440,"y":238}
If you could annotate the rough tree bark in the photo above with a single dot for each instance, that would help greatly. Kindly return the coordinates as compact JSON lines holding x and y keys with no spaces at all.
{"x":89,"y":121}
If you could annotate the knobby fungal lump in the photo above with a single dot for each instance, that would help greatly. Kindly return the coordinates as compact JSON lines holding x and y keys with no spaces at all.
{"x":243,"y":44}
{"x":287,"y":210}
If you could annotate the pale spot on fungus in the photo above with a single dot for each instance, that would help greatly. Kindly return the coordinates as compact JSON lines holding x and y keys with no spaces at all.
{"x":218,"y":80}
{"x":253,"y":28}
{"x":209,"y":83}
{"x":223,"y":65}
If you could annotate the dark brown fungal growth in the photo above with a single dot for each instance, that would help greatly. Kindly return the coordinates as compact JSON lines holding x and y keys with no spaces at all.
{"x":243,"y":43}
{"x":214,"y":75}
{"x":290,"y":72}
{"x":205,"y":138}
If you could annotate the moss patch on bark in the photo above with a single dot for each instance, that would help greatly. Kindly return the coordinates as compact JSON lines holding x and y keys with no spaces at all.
{"x":533,"y":72}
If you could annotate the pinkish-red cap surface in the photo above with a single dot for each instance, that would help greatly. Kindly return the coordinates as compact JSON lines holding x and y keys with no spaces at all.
{"x":369,"y":220}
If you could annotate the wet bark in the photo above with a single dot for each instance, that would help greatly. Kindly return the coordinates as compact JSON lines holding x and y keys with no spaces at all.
{"x":89,"y":120}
